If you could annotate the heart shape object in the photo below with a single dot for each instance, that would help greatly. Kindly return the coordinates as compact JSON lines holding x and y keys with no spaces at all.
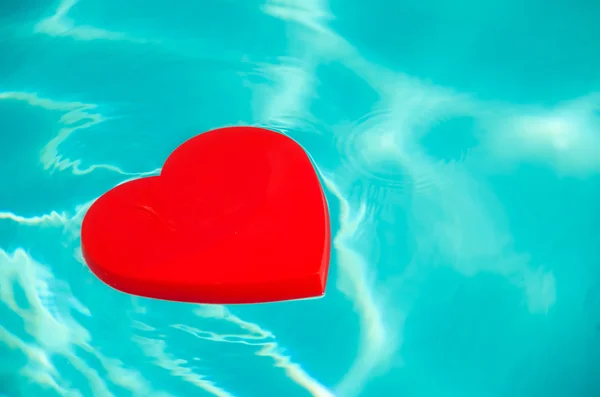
{"x":237,"y":215}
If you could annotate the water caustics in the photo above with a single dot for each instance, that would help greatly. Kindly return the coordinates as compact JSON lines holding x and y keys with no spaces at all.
{"x":414,"y":228}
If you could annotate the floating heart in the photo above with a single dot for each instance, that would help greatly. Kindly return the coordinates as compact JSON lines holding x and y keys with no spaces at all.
{"x":237,"y":215}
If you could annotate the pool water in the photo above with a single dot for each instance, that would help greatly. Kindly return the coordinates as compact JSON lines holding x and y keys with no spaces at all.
{"x":459,"y":147}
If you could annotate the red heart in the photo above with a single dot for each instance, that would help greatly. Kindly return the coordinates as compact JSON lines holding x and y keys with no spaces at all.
{"x":237,"y":216}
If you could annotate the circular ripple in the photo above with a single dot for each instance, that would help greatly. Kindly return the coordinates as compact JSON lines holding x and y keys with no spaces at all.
{"x":372,"y":147}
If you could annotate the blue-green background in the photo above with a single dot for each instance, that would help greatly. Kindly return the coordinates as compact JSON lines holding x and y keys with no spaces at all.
{"x":459,"y":145}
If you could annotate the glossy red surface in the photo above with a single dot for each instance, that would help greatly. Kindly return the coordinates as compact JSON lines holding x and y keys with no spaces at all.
{"x":238,"y":215}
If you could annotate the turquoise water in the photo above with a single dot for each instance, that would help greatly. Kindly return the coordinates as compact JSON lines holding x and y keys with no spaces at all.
{"x":459,"y":143}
